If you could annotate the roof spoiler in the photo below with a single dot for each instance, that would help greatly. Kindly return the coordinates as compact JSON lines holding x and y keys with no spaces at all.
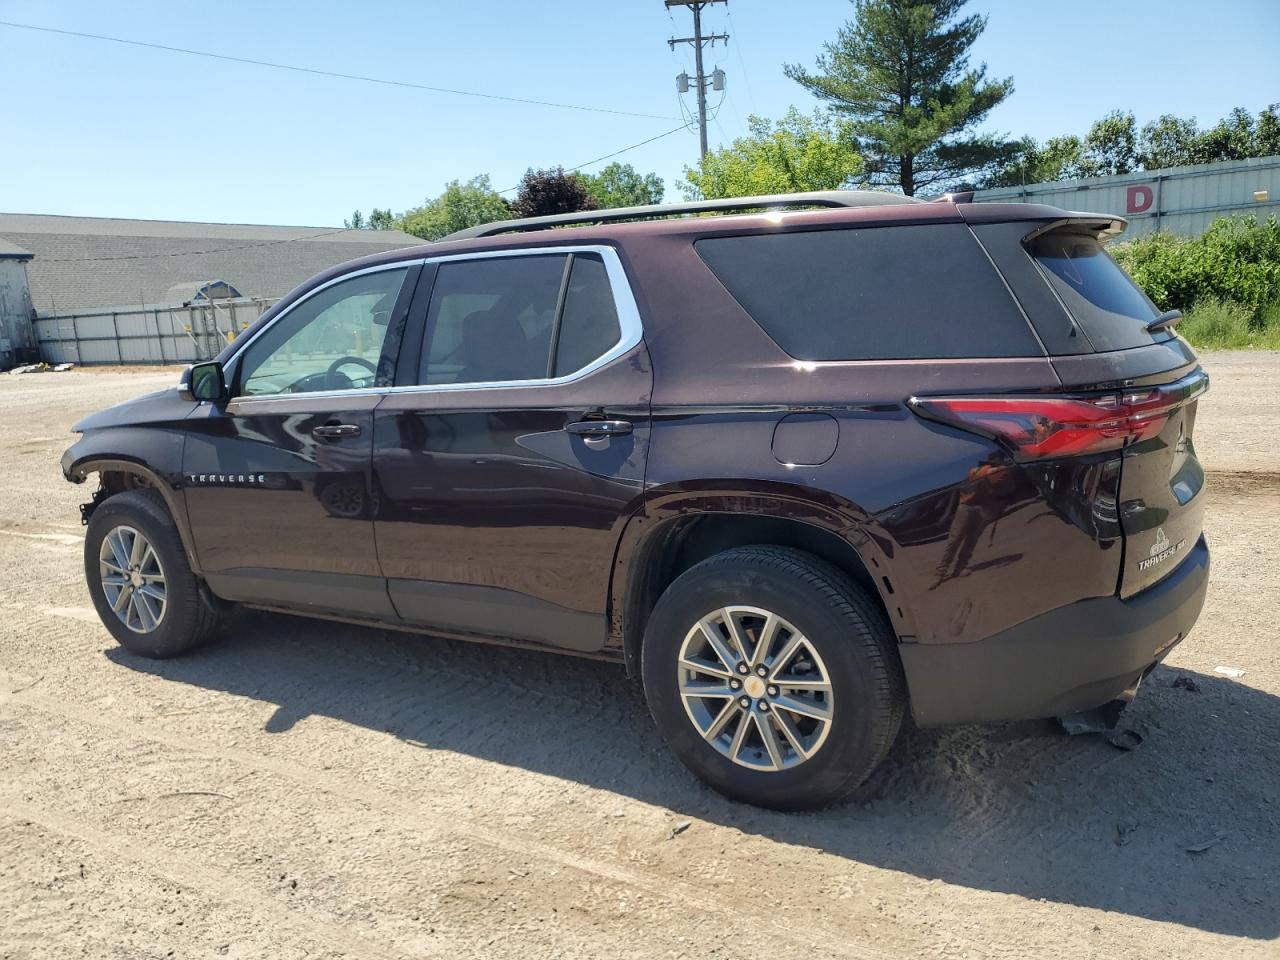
{"x":657,"y":211}
{"x":1106,"y":227}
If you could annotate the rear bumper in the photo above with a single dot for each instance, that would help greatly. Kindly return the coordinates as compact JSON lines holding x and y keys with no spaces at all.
{"x":1070,"y":659}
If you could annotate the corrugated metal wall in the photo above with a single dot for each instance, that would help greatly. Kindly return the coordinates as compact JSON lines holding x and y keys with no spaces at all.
{"x":147,"y":334}
{"x":1183,"y":200}
{"x":15,"y":311}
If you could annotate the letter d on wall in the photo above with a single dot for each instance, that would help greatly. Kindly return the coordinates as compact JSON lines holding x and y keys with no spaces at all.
{"x":1138,"y":200}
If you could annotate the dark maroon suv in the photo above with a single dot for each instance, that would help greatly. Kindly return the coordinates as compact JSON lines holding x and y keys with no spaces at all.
{"x":799,"y":470}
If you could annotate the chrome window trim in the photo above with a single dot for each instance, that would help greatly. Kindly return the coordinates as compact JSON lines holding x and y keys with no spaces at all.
{"x":241,"y":347}
{"x":624,"y":303}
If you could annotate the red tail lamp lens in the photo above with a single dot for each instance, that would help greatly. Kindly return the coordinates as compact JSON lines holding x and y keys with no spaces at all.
{"x":1036,"y":428}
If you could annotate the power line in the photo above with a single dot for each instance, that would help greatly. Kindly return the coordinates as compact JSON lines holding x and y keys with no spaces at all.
{"x":615,"y":153}
{"x":746,"y":75}
{"x":333,"y":73}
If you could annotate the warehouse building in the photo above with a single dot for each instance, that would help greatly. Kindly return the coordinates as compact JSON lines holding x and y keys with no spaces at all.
{"x":108,"y":290}
{"x":1181,"y":200}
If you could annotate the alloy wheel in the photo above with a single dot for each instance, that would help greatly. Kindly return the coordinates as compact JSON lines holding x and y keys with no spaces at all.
{"x":132,"y":579}
{"x":755,"y":688}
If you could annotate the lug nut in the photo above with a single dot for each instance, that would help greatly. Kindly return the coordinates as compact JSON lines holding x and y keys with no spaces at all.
{"x":734,"y":684}
{"x":744,"y":702}
{"x":764,"y":706}
{"x":742,"y":668}
{"x":773,"y":691}
{"x":761,"y":671}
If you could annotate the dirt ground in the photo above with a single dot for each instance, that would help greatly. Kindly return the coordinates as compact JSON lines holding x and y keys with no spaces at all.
{"x":311,"y":790}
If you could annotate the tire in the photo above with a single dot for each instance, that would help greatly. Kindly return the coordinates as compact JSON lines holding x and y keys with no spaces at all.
{"x":187,"y":615}
{"x":846,"y":647}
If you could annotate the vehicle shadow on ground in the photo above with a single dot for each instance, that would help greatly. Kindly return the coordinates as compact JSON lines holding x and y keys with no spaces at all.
{"x":1019,"y":809}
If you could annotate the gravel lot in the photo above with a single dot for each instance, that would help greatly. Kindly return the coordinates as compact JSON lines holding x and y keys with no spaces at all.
{"x":311,"y":790}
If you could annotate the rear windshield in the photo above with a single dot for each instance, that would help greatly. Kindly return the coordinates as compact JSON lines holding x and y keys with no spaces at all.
{"x":920,"y":292}
{"x":1107,"y":306}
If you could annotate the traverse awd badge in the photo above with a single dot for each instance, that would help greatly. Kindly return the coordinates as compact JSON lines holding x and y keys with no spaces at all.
{"x":1161,"y":550}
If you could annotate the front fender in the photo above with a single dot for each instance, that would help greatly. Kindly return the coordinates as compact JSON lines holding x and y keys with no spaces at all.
{"x":95,"y":453}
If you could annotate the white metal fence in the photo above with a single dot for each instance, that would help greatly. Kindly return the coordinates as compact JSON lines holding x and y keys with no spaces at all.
{"x":146,"y":334}
{"x":1183,"y":200}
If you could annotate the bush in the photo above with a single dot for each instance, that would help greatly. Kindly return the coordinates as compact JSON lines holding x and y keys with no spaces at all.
{"x":1237,"y":260}
{"x":1214,"y":324}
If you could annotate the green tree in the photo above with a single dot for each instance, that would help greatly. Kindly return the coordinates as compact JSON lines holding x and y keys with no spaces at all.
{"x":461,"y":205}
{"x":377,"y":220}
{"x":1266,"y":138}
{"x":1168,"y":142}
{"x":1058,"y":158}
{"x":619,"y":185}
{"x":1111,"y":146}
{"x":547,"y":192}
{"x":900,"y":72}
{"x":1232,"y":138}
{"x":795,"y":154}
{"x":381,"y":219}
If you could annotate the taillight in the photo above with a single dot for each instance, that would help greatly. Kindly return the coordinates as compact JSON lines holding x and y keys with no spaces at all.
{"x":1035,"y":428}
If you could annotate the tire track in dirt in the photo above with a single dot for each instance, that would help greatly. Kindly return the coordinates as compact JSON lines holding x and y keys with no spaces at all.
{"x":197,"y":876}
{"x":667,"y":889}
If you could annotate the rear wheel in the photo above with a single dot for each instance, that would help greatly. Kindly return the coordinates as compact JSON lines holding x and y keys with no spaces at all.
{"x":139,"y":578}
{"x":773,"y":677}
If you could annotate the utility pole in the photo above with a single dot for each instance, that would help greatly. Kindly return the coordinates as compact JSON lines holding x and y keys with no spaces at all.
{"x":701,"y":80}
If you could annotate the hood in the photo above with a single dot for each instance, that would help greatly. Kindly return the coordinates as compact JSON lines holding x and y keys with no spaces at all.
{"x":160,"y":406}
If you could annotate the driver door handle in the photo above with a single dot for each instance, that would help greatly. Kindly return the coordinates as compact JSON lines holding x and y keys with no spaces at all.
{"x":336,"y":431}
{"x":599,"y":429}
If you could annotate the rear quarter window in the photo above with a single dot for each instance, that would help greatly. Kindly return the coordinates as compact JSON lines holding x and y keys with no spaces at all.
{"x":882,"y":293}
{"x":1104,"y":302}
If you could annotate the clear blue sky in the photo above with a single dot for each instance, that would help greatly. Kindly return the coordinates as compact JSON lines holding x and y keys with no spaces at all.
{"x":100,"y":129}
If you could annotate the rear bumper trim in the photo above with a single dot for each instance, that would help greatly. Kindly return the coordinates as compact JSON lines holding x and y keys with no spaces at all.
{"x":1070,"y":659}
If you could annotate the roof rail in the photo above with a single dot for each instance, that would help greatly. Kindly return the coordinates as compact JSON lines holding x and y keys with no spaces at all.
{"x":816,"y":198}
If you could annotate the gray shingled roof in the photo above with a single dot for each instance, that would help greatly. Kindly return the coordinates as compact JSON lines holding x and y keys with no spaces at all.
{"x":82,"y":263}
{"x":11,"y":251}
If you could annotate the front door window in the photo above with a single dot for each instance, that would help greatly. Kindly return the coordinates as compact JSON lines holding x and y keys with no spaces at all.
{"x":331,"y":341}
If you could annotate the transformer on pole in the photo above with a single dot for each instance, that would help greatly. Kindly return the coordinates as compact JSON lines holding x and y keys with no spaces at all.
{"x":700,"y":80}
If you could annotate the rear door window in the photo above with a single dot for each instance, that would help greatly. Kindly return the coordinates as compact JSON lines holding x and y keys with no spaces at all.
{"x":589,"y":327}
{"x":884,"y":293}
{"x":526,"y":317}
{"x":491,"y":319}
{"x":1108,"y":306}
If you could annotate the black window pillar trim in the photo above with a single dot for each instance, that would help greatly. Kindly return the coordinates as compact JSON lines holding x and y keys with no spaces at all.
{"x":555,"y":324}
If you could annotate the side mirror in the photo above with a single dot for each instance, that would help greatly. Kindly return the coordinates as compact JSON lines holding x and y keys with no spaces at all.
{"x":203,"y":381}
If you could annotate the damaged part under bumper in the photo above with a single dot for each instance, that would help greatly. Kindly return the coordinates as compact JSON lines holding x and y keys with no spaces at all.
{"x":1069,"y":660}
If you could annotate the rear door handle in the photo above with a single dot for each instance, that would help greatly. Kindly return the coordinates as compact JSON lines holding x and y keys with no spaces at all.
{"x":599,"y":429}
{"x":336,"y":431}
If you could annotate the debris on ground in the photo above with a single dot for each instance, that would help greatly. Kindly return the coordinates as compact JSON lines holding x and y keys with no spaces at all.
{"x":1123,"y":829}
{"x":1234,"y":672}
{"x":1187,"y":683}
{"x":1205,"y":844}
{"x":1090,"y":721}
{"x":40,"y":368}
{"x":1125,"y":739}
{"x":679,"y":828}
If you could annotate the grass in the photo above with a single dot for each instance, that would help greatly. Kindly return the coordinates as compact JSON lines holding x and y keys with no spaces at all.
{"x":1214,"y":324}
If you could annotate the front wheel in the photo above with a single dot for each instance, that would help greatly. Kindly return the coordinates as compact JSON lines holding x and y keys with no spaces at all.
{"x":141,"y":583}
{"x":773,"y":677}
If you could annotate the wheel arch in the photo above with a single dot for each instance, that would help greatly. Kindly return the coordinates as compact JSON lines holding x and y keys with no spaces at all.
{"x":117,"y":474}
{"x":662,"y":541}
